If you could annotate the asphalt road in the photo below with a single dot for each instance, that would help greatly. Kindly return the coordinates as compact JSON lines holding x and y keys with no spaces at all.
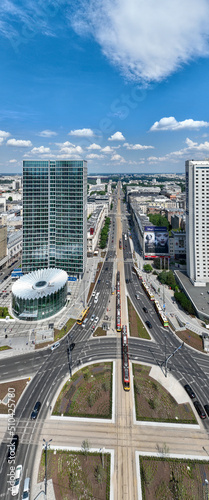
{"x":50,"y":368}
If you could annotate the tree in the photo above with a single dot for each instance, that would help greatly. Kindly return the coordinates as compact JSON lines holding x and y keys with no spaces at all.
{"x":147,"y":268}
{"x":85,"y":447}
{"x":99,"y":473}
{"x":10,"y":198}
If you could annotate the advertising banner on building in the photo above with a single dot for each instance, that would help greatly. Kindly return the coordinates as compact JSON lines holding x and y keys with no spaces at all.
{"x":156,"y":241}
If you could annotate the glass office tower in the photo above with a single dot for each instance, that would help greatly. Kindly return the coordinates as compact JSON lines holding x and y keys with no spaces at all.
{"x":55,"y":215}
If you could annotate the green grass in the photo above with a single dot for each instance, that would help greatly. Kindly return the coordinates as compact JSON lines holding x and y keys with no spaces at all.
{"x":99,"y":332}
{"x":133,"y":317}
{"x":4,"y":347}
{"x":58,"y":334}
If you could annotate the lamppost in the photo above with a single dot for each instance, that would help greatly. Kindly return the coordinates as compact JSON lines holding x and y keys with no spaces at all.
{"x":45,"y":449}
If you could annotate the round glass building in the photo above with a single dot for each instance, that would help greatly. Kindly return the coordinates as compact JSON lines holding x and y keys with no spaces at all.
{"x":39,"y":294}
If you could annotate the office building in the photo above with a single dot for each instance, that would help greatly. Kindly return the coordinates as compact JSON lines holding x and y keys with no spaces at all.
{"x":197,"y":221}
{"x":55,"y":215}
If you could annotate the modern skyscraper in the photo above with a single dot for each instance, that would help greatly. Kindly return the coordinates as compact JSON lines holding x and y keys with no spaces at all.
{"x":197,"y":221}
{"x":55,"y":215}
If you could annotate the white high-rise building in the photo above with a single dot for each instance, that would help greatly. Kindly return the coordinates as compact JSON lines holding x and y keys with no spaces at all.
{"x":197,"y":221}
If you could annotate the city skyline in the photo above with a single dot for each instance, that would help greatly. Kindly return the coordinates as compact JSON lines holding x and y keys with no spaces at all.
{"x":89,"y":83}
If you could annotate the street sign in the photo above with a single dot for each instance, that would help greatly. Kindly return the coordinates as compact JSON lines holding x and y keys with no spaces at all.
{"x":72,"y":278}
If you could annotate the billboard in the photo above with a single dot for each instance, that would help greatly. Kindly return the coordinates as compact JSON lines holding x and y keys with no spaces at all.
{"x":156,"y":241}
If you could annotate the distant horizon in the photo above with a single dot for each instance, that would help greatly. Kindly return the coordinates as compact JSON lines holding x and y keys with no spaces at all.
{"x":90,"y":174}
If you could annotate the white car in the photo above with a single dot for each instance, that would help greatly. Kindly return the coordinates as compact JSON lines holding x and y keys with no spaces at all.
{"x":96,"y":320}
{"x":54,"y":346}
{"x":93,"y":316}
{"x":96,"y":300}
{"x":18,"y":474}
{"x":93,"y":293}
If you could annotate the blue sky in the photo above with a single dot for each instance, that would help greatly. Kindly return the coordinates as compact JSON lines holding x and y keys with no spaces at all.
{"x":121,"y":84}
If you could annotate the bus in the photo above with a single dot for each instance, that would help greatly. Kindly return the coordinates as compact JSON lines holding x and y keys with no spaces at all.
{"x":82,"y":316}
{"x":147,"y":291}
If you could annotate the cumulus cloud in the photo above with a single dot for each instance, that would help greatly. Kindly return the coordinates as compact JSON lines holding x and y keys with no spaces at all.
{"x":94,"y":146}
{"x":170,"y":123}
{"x":118,"y":158}
{"x":82,"y":132}
{"x":145,"y":40}
{"x":4,"y":134}
{"x":1,"y":140}
{"x":13,"y":161}
{"x":118,"y":136}
{"x":47,"y":133}
{"x":92,"y":156}
{"x":41,"y":150}
{"x":71,"y":150}
{"x":107,"y":149}
{"x":137,"y":146}
{"x":19,"y":143}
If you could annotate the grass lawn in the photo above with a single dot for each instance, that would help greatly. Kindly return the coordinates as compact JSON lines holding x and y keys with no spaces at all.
{"x":18,"y":386}
{"x":58,"y":334}
{"x":173,"y":479}
{"x":4,"y":347}
{"x":77,"y":475}
{"x":99,"y":332}
{"x":87,"y":394}
{"x":137,"y":329}
{"x":154,"y":403}
{"x":191,"y":338}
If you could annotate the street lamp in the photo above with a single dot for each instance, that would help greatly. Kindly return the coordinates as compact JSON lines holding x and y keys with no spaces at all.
{"x":45,"y":449}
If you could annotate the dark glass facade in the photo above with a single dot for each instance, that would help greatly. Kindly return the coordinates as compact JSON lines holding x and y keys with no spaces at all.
{"x":55,"y":215}
{"x":39,"y":308}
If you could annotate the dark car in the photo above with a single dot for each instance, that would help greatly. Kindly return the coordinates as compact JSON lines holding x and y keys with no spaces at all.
{"x":72,"y":346}
{"x":145,"y":309}
{"x":148,"y":324}
{"x":189,"y":391}
{"x":207,"y":409}
{"x":12,"y":448}
{"x":127,"y":281}
{"x":199,"y":409}
{"x":35,"y":411}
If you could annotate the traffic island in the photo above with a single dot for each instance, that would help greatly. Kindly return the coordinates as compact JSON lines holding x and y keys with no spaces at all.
{"x":88,"y":394}
{"x":191,"y":338}
{"x":77,"y":474}
{"x":170,"y":478}
{"x":11,"y":391}
{"x":154,"y":403}
{"x":136,"y":327}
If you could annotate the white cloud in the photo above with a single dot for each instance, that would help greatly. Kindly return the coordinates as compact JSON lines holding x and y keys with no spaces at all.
{"x":82,"y":132}
{"x":1,"y":140}
{"x":107,"y":149}
{"x":118,"y":136}
{"x":94,"y":146}
{"x":41,"y":150}
{"x":47,"y":133}
{"x":65,"y":144}
{"x":91,"y":156}
{"x":204,"y":146}
{"x":13,"y":161}
{"x":137,"y":146}
{"x":19,"y":143}
{"x":118,"y":158}
{"x":4,"y":134}
{"x":71,"y":150}
{"x":170,"y":123}
{"x":146,"y":40}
